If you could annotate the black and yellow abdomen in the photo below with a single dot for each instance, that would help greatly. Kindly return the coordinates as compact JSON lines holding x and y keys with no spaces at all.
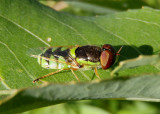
{"x":54,"y":58}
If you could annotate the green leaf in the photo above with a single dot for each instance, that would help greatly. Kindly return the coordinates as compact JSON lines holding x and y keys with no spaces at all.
{"x":139,"y":61}
{"x":36,"y":23}
{"x":51,"y":94}
{"x":29,"y":24}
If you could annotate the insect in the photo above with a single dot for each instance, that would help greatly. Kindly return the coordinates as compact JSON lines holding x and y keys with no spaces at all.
{"x":77,"y":57}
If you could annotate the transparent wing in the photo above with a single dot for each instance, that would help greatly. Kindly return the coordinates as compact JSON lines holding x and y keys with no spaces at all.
{"x":35,"y":51}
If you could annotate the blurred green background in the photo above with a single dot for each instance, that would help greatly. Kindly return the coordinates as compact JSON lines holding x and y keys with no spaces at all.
{"x":94,"y":8}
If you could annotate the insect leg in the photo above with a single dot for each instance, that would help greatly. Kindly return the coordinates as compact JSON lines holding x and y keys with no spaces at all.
{"x":75,"y":74}
{"x":119,"y":50}
{"x":84,"y":74}
{"x":52,"y":73}
{"x":96,"y":72}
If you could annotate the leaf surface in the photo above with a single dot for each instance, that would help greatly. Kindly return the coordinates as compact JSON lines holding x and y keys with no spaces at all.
{"x":29,"y":24}
{"x":51,"y":94}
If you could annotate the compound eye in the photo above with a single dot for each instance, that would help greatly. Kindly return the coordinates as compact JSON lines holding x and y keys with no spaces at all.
{"x":107,"y":57}
{"x":104,"y":58}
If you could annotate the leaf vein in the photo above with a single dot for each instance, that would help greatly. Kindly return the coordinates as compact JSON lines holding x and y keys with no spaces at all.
{"x":117,"y":37}
{"x":4,"y":84}
{"x":25,"y":30}
{"x":69,"y":27}
{"x":146,"y":22}
{"x":17,"y":59}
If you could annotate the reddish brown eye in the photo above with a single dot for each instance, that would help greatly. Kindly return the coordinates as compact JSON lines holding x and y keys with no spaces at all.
{"x":108,"y":47}
{"x":108,"y":56}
